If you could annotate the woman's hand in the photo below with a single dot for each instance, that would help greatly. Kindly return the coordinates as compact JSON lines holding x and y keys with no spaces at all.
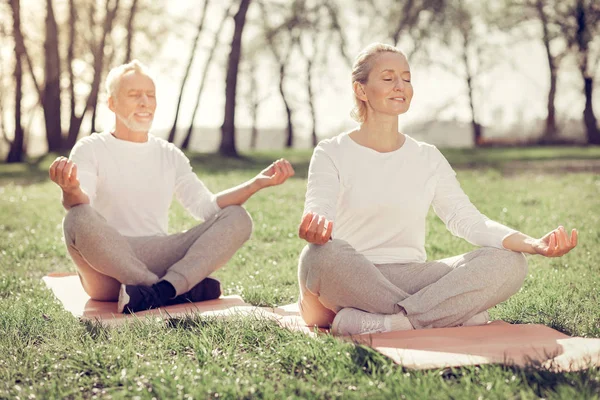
{"x":275,"y":174}
{"x":315,"y":228}
{"x":556,"y":243}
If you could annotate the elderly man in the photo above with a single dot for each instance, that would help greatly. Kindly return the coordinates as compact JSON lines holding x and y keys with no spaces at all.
{"x":117,"y":187}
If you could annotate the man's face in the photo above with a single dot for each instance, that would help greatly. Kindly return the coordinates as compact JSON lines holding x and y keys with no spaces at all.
{"x":135,"y":101}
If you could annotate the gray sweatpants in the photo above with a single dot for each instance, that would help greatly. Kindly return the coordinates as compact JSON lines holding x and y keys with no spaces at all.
{"x":105,"y":258}
{"x":432,"y":294}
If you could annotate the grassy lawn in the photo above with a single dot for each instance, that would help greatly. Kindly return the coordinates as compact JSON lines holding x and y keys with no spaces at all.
{"x":46,"y":353}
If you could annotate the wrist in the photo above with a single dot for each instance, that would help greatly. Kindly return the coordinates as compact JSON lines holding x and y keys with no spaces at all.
{"x":254,"y":185}
{"x":71,"y":191}
{"x":530,"y":245}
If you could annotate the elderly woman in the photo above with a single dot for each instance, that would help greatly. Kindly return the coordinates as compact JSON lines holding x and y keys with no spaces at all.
{"x":369,"y":192}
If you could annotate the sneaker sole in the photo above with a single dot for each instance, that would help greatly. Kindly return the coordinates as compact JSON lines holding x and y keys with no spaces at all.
{"x":123,"y":299}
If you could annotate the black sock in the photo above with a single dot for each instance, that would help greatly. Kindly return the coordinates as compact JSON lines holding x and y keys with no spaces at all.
{"x":165,"y":290}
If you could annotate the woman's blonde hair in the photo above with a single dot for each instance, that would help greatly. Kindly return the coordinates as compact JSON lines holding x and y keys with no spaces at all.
{"x":360,"y":73}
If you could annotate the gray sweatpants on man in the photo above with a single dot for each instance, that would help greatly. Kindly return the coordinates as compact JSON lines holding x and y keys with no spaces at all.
{"x":105,"y":259}
{"x":431,"y":294}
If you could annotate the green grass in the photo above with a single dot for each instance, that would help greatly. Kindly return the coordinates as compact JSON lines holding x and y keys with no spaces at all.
{"x":46,"y":353}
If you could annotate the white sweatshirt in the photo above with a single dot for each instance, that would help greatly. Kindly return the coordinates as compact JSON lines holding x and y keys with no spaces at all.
{"x":378,"y":202}
{"x":132,"y":184}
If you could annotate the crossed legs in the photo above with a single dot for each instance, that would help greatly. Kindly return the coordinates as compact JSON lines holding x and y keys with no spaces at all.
{"x":105,"y":259}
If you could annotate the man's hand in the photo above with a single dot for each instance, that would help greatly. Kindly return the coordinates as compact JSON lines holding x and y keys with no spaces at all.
{"x":275,"y":174}
{"x":64,"y":173}
{"x":315,"y":228}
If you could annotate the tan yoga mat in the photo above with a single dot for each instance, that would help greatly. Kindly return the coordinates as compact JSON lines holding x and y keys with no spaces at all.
{"x":67,"y":288}
{"x":495,"y":343}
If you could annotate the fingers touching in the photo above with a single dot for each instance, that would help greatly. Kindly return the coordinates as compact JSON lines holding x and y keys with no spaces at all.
{"x":559,"y":242}
{"x":64,"y":173}
{"x":315,"y":228}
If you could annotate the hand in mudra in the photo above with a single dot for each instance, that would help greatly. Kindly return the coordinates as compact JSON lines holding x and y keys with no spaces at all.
{"x":315,"y":228}
{"x":556,"y":243}
{"x":64,"y":173}
{"x":275,"y":174}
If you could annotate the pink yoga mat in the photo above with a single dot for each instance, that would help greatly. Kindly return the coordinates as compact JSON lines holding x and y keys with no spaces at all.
{"x":494,"y":343}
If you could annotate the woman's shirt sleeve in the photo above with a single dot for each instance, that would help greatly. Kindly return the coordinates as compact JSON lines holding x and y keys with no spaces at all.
{"x":461,"y":217}
{"x":323,"y":185}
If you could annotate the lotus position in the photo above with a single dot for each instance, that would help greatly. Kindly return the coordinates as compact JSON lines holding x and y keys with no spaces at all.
{"x":117,"y":187}
{"x":369,"y":192}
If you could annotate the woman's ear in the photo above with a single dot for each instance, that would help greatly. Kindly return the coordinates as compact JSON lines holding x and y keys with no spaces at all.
{"x":359,"y":91}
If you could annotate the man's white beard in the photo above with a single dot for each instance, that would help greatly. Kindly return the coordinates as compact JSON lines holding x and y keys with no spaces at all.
{"x":134,"y":125}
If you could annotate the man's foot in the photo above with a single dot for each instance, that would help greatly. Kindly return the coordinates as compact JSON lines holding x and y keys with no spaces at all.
{"x":138,"y":298}
{"x":350,"y":321}
{"x":478,"y":319}
{"x":207,"y":289}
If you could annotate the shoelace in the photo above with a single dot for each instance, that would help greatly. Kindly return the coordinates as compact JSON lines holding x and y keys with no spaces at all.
{"x":371,"y":325}
{"x":151,"y":298}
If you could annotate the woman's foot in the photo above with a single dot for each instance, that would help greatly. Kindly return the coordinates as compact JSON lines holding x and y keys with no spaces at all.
{"x":350,"y":321}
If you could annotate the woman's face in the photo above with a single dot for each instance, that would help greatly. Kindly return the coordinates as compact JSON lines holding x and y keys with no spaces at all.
{"x":388,"y":89}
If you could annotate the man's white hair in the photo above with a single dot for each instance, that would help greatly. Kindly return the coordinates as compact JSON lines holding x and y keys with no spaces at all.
{"x":114,"y":76}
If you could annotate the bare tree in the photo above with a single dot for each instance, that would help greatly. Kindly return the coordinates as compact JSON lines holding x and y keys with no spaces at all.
{"x":542,"y":6}
{"x":51,"y":91}
{"x":581,"y":26}
{"x":463,"y":34}
{"x":282,"y":39}
{"x":130,"y":31}
{"x":188,"y":68}
{"x":16,"y":151}
{"x":313,"y":45}
{"x":207,"y":63}
{"x":110,"y":11}
{"x":227,"y":146}
{"x":253,"y":96}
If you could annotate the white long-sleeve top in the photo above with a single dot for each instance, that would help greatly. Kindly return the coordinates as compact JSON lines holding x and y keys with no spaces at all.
{"x":132,"y":184}
{"x":378,"y":202}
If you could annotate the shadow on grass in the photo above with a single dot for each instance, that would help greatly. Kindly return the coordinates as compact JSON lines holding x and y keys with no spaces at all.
{"x":541,"y":381}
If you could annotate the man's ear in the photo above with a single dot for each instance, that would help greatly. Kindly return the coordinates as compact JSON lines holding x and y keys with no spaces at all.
{"x":359,"y":91}
{"x":111,"y":103}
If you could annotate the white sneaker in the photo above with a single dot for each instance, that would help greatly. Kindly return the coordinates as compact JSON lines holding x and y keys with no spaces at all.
{"x":350,"y":321}
{"x":478,"y":319}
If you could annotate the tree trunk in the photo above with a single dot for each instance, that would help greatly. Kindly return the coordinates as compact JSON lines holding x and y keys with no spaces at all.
{"x":477,"y":128}
{"x":550,"y":131}
{"x":98,"y":67}
{"x":311,"y":101}
{"x":70,"y":58}
{"x":289,"y":143}
{"x":51,"y":91}
{"x":255,"y":103}
{"x":582,"y":38}
{"x":130,"y":32}
{"x":227,"y":146}
{"x":187,"y":70}
{"x":591,"y":123}
{"x":15,"y":153}
{"x":188,"y":137}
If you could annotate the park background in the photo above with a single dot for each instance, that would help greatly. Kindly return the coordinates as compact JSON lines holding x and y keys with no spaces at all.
{"x":505,"y":89}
